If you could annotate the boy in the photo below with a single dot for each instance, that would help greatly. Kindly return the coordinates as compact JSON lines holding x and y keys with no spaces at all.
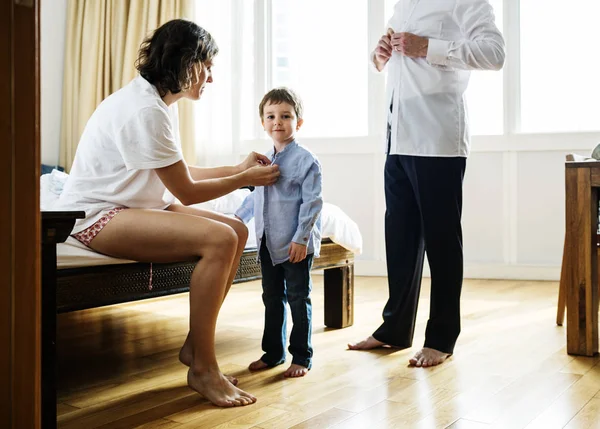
{"x":288,"y":234}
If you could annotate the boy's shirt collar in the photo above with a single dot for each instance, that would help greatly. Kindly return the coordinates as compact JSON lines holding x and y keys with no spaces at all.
{"x":273,"y":154}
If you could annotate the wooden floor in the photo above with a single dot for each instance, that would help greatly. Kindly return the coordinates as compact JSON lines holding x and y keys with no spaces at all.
{"x":119,"y":368}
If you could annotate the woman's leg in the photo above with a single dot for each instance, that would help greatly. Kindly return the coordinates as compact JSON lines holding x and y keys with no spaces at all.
{"x":162,"y":236}
{"x":239,"y":228}
{"x":185,"y":355}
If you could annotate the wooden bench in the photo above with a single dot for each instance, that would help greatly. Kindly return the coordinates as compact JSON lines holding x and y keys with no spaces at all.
{"x":72,"y":289}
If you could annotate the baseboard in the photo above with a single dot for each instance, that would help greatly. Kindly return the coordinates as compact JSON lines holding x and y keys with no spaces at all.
{"x":475,"y":271}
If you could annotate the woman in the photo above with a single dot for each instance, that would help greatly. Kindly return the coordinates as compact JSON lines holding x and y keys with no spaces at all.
{"x":129,"y":169}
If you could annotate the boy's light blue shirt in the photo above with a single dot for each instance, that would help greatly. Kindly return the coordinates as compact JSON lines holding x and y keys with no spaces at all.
{"x":290,"y":210}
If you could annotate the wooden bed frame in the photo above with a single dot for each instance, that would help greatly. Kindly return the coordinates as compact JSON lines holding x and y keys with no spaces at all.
{"x":72,"y":289}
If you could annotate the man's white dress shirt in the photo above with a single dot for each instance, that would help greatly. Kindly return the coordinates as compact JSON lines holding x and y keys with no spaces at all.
{"x":429,"y":114}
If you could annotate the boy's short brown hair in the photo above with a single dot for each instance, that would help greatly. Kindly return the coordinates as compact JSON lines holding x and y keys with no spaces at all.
{"x":281,"y":95}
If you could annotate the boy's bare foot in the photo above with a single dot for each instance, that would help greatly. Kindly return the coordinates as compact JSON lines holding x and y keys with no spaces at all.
{"x":427,"y":357}
{"x":186,"y":357}
{"x":368,"y":344}
{"x":295,"y":371}
{"x":257,"y":365}
{"x":215,"y":387}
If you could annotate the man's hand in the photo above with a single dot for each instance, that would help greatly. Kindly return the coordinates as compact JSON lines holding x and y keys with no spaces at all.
{"x":410,"y":45}
{"x":297,"y":252}
{"x":383,"y":51}
{"x":261,"y":175}
{"x":253,"y":160}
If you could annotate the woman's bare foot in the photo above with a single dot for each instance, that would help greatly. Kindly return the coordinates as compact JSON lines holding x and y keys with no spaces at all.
{"x":295,"y":371}
{"x":185,"y":354}
{"x":215,"y":387}
{"x":427,"y":357}
{"x":368,"y":344}
{"x":257,"y":365}
{"x":186,"y":357}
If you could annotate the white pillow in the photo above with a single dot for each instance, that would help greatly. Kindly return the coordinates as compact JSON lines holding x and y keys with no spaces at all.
{"x":51,"y":186}
{"x":227,"y":204}
{"x":230,"y":203}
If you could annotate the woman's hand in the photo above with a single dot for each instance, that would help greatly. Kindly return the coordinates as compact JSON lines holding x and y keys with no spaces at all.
{"x":261,"y":175}
{"x":410,"y":44}
{"x":253,"y":160}
{"x":297,"y":252}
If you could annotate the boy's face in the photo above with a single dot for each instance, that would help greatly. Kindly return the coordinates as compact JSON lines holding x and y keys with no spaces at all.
{"x":280,"y":122}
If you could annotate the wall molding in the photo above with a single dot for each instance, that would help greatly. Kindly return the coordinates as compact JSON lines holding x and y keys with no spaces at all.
{"x":474,"y":271}
{"x":582,"y":143}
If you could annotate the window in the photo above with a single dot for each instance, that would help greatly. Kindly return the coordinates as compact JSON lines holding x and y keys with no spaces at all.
{"x":308,"y":43}
{"x":485,"y":93}
{"x":559,"y":66}
{"x":248,"y":104}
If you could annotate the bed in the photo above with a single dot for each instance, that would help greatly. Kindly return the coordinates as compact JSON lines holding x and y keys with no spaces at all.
{"x":75,"y":278}
{"x":86,"y":279}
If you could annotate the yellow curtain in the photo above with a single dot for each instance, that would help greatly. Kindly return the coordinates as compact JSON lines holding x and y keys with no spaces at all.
{"x":103,"y":38}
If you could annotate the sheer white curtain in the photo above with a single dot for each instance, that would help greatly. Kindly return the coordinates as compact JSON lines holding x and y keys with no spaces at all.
{"x":214,"y":112}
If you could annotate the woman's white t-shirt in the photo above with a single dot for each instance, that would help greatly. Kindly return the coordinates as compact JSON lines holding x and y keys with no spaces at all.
{"x":131,"y":133}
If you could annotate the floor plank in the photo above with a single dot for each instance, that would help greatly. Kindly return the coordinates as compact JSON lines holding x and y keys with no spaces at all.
{"x":510,"y":368}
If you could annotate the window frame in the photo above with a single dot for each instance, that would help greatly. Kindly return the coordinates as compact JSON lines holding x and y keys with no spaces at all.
{"x":512,"y":138}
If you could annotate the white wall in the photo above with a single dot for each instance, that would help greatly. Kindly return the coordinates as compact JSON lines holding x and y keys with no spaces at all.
{"x":53,"y":16}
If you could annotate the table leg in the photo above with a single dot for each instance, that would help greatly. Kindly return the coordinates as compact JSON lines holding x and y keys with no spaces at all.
{"x":582,"y":265}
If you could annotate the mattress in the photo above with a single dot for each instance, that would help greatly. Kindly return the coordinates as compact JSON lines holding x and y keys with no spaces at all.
{"x":73,"y":254}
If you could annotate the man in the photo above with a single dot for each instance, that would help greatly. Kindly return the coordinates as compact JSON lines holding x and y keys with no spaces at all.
{"x":429,"y":48}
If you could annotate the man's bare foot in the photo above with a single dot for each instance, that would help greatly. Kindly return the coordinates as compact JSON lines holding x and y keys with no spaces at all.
{"x":257,"y":365}
{"x":368,"y":344}
{"x":186,"y":357}
{"x":295,"y":371}
{"x":427,"y":357}
{"x":215,"y":387}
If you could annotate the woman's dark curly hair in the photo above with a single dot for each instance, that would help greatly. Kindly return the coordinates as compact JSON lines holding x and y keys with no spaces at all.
{"x":167,"y":58}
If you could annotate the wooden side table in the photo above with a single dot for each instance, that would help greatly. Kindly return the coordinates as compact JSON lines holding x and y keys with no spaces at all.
{"x":580,"y":257}
{"x":56,"y":227}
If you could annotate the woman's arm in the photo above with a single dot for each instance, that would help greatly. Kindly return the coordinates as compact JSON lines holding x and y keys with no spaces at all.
{"x":179,"y":181}
{"x":203,"y":173}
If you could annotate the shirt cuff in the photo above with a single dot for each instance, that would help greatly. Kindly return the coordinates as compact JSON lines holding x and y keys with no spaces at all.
{"x":244,"y":215}
{"x":372,"y":65}
{"x":302,"y":237}
{"x":437,"y":52}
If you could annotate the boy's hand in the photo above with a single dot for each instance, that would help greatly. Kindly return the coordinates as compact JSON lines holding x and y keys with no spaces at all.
{"x":254,"y":159}
{"x":297,"y":252}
